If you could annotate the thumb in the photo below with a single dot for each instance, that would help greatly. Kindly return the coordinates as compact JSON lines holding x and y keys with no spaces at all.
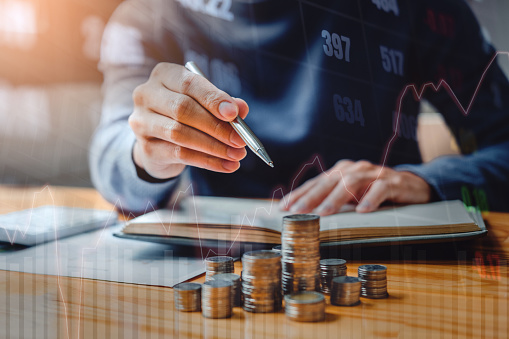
{"x":243,"y":107}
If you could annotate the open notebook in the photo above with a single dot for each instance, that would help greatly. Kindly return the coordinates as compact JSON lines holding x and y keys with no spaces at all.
{"x":230,"y":220}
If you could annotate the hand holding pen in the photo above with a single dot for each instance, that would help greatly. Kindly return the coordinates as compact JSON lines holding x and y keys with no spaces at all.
{"x":241,"y":127}
{"x":180,"y":119}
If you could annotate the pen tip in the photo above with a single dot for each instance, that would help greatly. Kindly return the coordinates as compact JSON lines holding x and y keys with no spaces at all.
{"x":271,"y":164}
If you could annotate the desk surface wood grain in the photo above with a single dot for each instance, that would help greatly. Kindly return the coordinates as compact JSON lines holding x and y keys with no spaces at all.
{"x":433,"y":294}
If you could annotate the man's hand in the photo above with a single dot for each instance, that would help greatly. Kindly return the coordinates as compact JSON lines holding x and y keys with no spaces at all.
{"x":359,"y":182}
{"x":181,"y":119}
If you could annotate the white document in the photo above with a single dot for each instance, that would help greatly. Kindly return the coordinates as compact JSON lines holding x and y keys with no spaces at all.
{"x":45,"y":223}
{"x":100,"y":255}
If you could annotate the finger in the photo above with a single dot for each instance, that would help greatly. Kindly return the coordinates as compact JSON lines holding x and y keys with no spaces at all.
{"x":198,"y":159}
{"x":162,"y":153}
{"x":335,"y":200}
{"x":178,"y":79}
{"x":346,"y":191}
{"x":187,"y":111}
{"x":316,"y":194}
{"x":375,"y":196}
{"x":177,"y":133}
{"x":160,"y":172}
{"x":295,"y":195}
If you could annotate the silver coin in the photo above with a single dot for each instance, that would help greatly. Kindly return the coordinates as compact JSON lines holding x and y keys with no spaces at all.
{"x":261,"y":281}
{"x":187,"y":297}
{"x":305,"y":306}
{"x":262,"y":254}
{"x":372,"y":268}
{"x":332,"y":262}
{"x":236,"y":294}
{"x":373,"y":281}
{"x":218,"y":259}
{"x":216,"y":299}
{"x":329,"y":269}
{"x":218,"y":264}
{"x":345,"y":291}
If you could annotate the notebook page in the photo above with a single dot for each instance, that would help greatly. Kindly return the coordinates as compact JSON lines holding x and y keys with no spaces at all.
{"x":432,"y":214}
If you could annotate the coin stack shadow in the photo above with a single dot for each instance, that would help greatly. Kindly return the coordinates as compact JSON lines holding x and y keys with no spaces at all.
{"x":216,"y":300}
{"x":329,"y":269}
{"x":216,"y":265}
{"x":305,"y":306}
{"x":345,"y":291}
{"x":300,"y":253}
{"x":261,"y":281}
{"x":373,"y":281}
{"x":187,"y":297}
{"x":236,"y":289}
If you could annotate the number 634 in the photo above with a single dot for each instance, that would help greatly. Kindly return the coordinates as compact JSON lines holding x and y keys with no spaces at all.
{"x":347,"y":110}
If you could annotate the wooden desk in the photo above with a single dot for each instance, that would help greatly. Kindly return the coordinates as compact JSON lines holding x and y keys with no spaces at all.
{"x":454,"y":298}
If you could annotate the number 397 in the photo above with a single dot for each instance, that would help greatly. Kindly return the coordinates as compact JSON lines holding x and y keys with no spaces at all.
{"x":334,"y":46}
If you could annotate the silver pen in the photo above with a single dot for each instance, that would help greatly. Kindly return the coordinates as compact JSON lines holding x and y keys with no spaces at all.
{"x":240,"y":126}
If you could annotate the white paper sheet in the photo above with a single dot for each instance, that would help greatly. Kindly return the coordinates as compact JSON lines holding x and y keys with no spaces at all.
{"x":100,"y":255}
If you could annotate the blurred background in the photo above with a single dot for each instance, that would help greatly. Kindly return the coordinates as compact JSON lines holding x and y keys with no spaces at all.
{"x":50,"y":88}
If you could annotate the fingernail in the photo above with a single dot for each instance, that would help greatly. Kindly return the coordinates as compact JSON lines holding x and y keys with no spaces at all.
{"x":228,"y":110}
{"x":236,"y":153}
{"x":323,"y":209}
{"x":364,"y":206}
{"x":236,"y":139}
{"x":298,"y":208}
{"x":230,"y":165}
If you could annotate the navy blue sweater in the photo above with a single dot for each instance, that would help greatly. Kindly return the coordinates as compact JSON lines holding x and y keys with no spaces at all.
{"x":325,"y":81}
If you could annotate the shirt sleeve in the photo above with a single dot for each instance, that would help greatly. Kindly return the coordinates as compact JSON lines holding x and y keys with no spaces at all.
{"x":129,"y":52}
{"x":472,"y":178}
{"x":476,"y":109}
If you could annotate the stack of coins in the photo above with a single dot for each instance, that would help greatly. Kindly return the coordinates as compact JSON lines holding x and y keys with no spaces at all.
{"x":187,"y":297}
{"x":261,"y":281}
{"x":235,"y":280}
{"x":300,"y":253}
{"x":216,"y":300}
{"x":216,"y":265}
{"x":329,"y":269}
{"x":373,"y":281}
{"x":305,"y":306}
{"x":345,"y":291}
{"x":277,"y":249}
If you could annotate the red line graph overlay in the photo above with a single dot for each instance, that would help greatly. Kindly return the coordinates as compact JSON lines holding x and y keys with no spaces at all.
{"x":245,"y":220}
{"x":418,"y":95}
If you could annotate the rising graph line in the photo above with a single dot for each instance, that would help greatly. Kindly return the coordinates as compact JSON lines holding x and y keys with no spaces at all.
{"x":418,"y":94}
{"x":245,"y":218}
